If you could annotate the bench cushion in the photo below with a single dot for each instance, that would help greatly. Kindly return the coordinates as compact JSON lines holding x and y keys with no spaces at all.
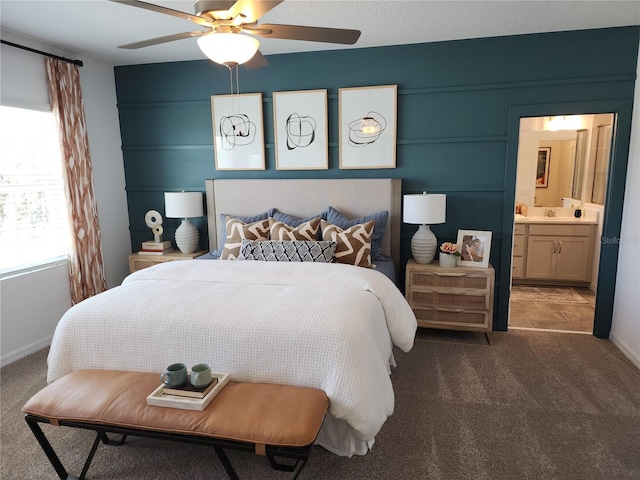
{"x":259,"y":413}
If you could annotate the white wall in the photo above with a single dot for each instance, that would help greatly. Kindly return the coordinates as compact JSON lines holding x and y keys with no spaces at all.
{"x":625,"y":331}
{"x":32,"y":304}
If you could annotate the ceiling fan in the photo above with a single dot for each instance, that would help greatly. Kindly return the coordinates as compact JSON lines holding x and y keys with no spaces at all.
{"x":227,"y":20}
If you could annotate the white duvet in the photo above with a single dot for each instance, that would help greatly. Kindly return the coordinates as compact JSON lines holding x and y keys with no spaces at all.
{"x":327,"y":326}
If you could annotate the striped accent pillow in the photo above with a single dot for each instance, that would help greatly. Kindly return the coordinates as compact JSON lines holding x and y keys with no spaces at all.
{"x":237,"y":231}
{"x":305,"y":231}
{"x":353,"y":245}
{"x":287,"y":251}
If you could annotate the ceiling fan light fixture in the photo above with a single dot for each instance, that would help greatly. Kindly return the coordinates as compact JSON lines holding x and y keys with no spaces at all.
{"x":228,"y":49}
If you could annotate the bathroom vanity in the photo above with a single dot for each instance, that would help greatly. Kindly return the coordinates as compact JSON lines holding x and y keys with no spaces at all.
{"x":553,"y":250}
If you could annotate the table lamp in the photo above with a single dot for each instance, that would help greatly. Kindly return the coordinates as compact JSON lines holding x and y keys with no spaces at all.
{"x":424,"y":210}
{"x":184,"y":205}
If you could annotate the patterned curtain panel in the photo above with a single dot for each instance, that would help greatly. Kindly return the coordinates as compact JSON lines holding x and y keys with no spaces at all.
{"x":86,"y":268}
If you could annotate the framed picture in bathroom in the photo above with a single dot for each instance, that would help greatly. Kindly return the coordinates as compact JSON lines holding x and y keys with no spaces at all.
{"x":542,"y":168}
{"x":474,"y":247}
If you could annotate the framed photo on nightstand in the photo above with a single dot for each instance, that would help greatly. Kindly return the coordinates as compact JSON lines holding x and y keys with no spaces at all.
{"x":474,"y":247}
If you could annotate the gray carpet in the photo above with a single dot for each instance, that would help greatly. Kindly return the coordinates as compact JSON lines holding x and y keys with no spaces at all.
{"x":533,"y":405}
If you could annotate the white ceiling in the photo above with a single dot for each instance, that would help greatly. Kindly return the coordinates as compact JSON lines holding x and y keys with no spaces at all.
{"x":94,"y":28}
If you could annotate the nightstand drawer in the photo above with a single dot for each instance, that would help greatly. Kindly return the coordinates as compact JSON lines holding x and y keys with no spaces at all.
{"x":449,"y":300}
{"x":448,"y":280}
{"x":452,"y":319}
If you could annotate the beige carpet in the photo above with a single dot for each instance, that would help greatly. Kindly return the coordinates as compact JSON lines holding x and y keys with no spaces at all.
{"x":532,"y":406}
{"x":546,"y":294}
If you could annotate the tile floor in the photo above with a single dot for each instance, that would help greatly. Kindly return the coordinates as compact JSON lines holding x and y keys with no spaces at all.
{"x":544,"y":315}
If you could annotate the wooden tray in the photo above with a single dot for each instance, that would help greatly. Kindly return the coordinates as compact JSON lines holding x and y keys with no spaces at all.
{"x":161,"y":399}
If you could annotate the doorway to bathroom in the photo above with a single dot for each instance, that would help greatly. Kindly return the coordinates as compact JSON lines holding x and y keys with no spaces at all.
{"x":562,"y":170}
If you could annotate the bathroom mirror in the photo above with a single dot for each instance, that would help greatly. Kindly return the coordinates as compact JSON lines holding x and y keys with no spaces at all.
{"x":576,"y":153}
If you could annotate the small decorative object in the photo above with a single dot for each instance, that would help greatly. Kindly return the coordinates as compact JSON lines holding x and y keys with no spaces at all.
{"x":160,"y":398}
{"x":449,"y":254}
{"x":424,"y":210}
{"x":474,"y":247}
{"x":184,"y":205}
{"x":153,"y":220}
{"x":577,"y":212}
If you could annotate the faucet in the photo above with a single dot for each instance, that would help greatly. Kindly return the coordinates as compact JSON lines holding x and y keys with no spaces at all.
{"x":550,"y":212}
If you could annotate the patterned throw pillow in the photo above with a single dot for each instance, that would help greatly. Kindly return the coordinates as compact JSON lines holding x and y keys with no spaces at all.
{"x":305,"y":231}
{"x":353,"y":245}
{"x":222,"y":224}
{"x":237,"y":231}
{"x":287,"y":251}
{"x":294,"y":221}
{"x":337,"y":218}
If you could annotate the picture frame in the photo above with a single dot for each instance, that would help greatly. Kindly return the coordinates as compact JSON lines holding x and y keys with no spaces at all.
{"x":542,"y":167}
{"x":474,"y":247}
{"x":238,"y":131}
{"x":300,"y":130}
{"x":368,"y":123}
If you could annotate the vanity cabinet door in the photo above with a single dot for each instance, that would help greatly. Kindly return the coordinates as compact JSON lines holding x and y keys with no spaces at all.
{"x":558,"y":258}
{"x":541,"y":257}
{"x":573,"y":258}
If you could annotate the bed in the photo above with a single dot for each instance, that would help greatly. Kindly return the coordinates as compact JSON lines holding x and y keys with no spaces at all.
{"x":331,"y":326}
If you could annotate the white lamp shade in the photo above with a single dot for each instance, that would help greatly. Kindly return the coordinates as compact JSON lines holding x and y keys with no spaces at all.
{"x":183,"y":204}
{"x":425,"y":209}
{"x":228,"y":48}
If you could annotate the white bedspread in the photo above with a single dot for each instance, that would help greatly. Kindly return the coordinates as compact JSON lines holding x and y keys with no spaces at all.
{"x":327,"y":326}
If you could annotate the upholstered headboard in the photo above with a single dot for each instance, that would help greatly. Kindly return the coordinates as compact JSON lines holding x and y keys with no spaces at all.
{"x":307,"y":197}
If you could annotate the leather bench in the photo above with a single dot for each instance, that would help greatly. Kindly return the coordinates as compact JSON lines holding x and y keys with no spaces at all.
{"x":277,"y":421}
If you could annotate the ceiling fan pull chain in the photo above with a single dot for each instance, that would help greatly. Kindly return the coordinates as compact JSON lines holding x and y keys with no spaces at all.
{"x":231,"y":80}
{"x":237,"y":80}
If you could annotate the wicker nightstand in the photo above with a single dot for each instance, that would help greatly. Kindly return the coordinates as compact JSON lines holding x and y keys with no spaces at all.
{"x":456,"y":298}
{"x":138,"y":261}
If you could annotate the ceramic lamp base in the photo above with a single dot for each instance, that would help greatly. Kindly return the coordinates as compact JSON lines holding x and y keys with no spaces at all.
{"x":187,"y":237}
{"x":423,"y":245}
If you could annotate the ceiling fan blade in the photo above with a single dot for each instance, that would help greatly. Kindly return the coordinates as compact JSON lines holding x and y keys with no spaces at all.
{"x":166,"y":11}
{"x":252,"y":10}
{"x":311,"y":34}
{"x":257,"y":61}
{"x":159,"y":40}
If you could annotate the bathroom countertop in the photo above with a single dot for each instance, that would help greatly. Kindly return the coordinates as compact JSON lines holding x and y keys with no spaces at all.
{"x":554,"y":220}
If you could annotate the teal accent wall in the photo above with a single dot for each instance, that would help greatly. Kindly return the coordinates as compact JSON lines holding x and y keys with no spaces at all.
{"x":459,"y":105}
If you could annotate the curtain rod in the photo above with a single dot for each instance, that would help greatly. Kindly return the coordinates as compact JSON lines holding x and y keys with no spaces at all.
{"x":75,"y":62}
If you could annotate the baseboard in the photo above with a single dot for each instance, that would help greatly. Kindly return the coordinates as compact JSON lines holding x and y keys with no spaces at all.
{"x":24,"y":351}
{"x":624,"y":348}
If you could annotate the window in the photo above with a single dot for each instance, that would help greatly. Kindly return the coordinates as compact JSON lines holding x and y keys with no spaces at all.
{"x":33,"y":214}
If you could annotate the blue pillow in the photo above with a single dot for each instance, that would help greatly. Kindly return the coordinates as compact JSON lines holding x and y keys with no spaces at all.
{"x":380,"y":219}
{"x":222,"y":237}
{"x":294,"y":221}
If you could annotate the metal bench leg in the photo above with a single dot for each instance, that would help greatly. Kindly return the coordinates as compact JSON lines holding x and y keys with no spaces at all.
{"x":295,"y":467}
{"x":87,"y":462}
{"x":48,"y":449}
{"x":114,"y":443}
{"x":222,"y":456}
